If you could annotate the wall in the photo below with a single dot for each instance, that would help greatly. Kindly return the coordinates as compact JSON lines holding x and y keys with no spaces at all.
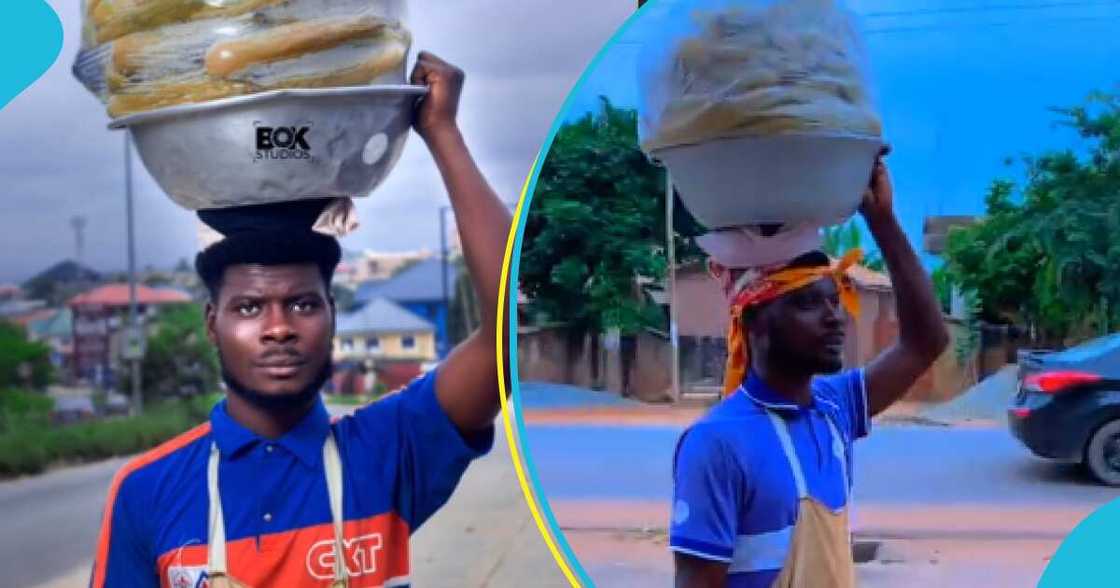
{"x":434,"y":312}
{"x":390,"y":346}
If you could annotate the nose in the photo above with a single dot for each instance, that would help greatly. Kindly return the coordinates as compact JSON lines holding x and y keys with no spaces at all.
{"x":277,"y":327}
{"x":833,"y":314}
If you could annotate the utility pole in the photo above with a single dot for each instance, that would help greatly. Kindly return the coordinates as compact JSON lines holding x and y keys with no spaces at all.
{"x":133,"y":332}
{"x":78,"y":223}
{"x":674,"y":339}
{"x":442,"y":342}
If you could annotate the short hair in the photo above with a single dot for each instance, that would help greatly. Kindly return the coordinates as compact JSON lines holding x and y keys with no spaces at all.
{"x":269,"y":235}
{"x":268,"y":248}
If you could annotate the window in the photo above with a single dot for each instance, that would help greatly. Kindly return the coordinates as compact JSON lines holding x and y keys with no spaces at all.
{"x":347,"y":344}
{"x":373,"y":344}
{"x":408,"y":342}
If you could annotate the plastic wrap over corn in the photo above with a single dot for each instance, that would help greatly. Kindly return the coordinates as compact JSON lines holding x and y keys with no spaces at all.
{"x":725,"y":68}
{"x":140,"y":55}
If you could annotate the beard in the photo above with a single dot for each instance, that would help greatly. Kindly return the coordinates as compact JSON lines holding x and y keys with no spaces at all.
{"x":277,"y":402}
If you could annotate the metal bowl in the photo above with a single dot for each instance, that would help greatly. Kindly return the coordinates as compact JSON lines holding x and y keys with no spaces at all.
{"x":778,"y":179}
{"x":275,"y":146}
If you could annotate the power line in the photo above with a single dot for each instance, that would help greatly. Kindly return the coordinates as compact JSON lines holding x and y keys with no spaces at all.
{"x":959,"y":25}
{"x":987,"y":8}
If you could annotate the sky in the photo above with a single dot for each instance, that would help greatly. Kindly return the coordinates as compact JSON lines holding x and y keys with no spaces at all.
{"x":521,"y":57}
{"x":960,"y":87}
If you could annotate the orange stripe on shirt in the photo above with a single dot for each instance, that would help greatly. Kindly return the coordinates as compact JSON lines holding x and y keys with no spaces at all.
{"x":140,"y":461}
{"x":376,"y":551}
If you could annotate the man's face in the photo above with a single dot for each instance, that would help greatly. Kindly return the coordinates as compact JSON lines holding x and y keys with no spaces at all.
{"x":272,"y":326}
{"x":804,"y":329}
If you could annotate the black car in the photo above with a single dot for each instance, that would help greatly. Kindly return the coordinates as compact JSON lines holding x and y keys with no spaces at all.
{"x":1068,"y":405}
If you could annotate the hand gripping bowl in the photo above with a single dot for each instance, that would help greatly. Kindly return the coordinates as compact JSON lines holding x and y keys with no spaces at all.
{"x":276,"y":146}
{"x":781,"y":179}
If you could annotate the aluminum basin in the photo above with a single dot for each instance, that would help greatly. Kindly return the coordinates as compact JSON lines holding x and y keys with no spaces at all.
{"x":275,"y":146}
{"x":779,"y":179}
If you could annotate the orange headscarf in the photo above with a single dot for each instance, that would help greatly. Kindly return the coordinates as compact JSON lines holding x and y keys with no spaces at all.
{"x":758,"y":287}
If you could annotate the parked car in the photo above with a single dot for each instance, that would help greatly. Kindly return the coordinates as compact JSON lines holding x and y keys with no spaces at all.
{"x":1068,"y":405}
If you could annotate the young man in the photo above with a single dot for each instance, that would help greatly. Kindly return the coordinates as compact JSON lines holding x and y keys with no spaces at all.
{"x":270,"y":492}
{"x":762,"y":482}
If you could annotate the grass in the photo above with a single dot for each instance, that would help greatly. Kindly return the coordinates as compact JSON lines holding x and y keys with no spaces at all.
{"x":348,"y":400}
{"x":29,"y":445}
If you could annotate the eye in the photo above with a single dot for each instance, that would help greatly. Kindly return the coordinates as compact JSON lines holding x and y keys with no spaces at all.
{"x":247,"y":309}
{"x":305,"y":306}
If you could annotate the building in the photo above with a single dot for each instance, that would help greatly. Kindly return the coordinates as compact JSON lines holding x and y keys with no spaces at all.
{"x":367,"y":266}
{"x":99,"y":318}
{"x":419,"y":288}
{"x":57,"y":331}
{"x":380,"y":343}
{"x":383,"y":330}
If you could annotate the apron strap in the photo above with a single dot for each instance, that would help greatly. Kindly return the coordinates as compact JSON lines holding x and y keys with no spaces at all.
{"x":782,"y":430}
{"x":216,"y":559}
{"x":332,"y":462}
{"x":836,"y":445}
{"x":217,"y":564}
{"x":842,"y":453}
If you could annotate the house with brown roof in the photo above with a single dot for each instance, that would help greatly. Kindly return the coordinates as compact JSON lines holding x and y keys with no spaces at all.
{"x":99,"y":318}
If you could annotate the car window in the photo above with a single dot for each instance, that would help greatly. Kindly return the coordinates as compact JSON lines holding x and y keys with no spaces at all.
{"x":1092,"y":348}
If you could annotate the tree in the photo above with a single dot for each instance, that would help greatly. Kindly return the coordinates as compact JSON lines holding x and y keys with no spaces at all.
{"x":343,"y":298}
{"x":594,"y":243}
{"x":1047,"y":253}
{"x":839,"y":239}
{"x":23,"y":363}
{"x":179,"y":361}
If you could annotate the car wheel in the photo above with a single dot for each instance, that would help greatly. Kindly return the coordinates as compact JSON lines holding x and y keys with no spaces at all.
{"x":1102,"y":455}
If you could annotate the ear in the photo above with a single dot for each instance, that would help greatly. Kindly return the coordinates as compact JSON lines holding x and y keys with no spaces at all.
{"x":211,"y":318}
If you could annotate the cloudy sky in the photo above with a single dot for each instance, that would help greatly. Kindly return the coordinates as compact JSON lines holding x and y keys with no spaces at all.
{"x":962,"y":86}
{"x":521,"y":57}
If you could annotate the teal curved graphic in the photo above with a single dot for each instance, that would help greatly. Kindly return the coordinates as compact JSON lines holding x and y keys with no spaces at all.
{"x":515,"y":267}
{"x":30,"y":45}
{"x":1087,"y":556}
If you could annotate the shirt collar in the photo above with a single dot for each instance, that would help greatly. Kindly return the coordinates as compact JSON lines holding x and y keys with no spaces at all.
{"x":757,"y":390}
{"x":305,"y":440}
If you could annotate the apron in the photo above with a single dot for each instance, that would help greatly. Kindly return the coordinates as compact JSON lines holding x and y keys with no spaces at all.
{"x":217,"y":568}
{"x":820,"y":553}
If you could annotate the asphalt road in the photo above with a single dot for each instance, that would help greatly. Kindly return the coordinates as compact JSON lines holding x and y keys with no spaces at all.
{"x":895,"y":465}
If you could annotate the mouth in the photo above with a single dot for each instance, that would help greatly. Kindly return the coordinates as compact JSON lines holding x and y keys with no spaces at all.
{"x":834,"y":343}
{"x":281,"y":369}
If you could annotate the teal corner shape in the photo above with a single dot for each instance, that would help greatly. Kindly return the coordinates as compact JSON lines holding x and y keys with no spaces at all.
{"x":30,"y":45}
{"x":515,"y":267}
{"x":1086,"y":557}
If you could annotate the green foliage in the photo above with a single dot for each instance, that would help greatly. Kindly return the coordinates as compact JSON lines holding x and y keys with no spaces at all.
{"x":18,"y":407}
{"x":1047,"y":254}
{"x":180,"y":359}
{"x":967,"y":343}
{"x":839,"y":239}
{"x":343,"y":298}
{"x":463,"y":315}
{"x":23,"y":362}
{"x":943,"y":288}
{"x":594,"y":244}
{"x":29,"y":447}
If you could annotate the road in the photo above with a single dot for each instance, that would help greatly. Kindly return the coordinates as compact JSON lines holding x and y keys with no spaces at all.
{"x":483,"y":537}
{"x":944,"y":504}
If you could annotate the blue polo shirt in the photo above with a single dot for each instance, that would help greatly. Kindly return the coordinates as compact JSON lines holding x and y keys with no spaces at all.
{"x":402,"y":457}
{"x":734,"y":495}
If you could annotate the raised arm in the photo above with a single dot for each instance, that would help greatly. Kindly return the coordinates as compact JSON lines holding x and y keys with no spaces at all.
{"x":467,"y":384}
{"x":921,"y":329}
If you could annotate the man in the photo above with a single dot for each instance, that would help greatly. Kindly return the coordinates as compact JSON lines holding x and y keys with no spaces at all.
{"x":762,"y":482}
{"x":270,"y":492}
